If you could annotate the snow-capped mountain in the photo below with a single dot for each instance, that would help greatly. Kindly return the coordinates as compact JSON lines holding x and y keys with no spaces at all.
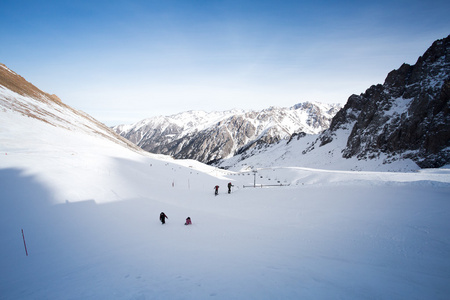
{"x":405,"y":119}
{"x":211,"y":136}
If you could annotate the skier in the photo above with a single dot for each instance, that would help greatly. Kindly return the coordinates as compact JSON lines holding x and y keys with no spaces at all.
{"x":216,"y":188}
{"x":229,"y":187}
{"x":188,"y":221}
{"x":162,"y":217}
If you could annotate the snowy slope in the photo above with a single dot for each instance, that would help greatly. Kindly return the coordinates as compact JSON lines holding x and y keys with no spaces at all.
{"x":89,"y":207}
{"x":72,"y":140}
{"x":329,"y":157}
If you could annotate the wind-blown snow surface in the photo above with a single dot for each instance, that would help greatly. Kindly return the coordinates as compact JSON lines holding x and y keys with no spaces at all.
{"x":89,"y":209}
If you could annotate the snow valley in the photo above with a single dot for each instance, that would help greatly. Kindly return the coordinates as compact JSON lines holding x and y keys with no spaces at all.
{"x":89,"y":201}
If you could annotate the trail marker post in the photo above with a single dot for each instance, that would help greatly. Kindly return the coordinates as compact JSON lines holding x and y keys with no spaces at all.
{"x":24,"y":243}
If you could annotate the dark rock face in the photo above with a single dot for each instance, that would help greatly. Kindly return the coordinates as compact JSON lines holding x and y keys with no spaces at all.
{"x":408,"y":115}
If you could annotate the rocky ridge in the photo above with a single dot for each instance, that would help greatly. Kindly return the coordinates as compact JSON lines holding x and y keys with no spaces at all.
{"x":407,"y":117}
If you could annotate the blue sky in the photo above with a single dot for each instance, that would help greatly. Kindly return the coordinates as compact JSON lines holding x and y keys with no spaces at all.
{"x":123,"y":61}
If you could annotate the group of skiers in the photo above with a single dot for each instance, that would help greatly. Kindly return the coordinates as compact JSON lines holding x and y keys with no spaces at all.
{"x":216,"y":189}
{"x":163,"y":216}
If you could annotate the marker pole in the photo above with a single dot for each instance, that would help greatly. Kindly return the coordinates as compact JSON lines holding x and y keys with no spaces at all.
{"x":24,"y":244}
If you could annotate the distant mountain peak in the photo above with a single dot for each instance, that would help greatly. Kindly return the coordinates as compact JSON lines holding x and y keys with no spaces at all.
{"x":408,"y":114}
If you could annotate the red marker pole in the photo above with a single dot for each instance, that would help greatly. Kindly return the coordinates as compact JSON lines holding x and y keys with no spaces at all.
{"x":24,"y":244}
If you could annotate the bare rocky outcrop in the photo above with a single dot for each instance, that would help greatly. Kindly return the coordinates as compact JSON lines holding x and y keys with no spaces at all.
{"x":407,"y":116}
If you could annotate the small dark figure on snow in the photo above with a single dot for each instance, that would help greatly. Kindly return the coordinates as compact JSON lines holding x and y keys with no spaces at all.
{"x":162,"y":217}
{"x":188,"y":221}
{"x":229,"y":187}
{"x":216,"y":188}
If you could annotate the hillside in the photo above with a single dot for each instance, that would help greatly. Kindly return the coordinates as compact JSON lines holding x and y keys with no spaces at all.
{"x":20,"y":96}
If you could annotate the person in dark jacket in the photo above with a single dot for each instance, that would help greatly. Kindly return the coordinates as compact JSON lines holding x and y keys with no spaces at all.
{"x":229,"y":187}
{"x":162,"y":217}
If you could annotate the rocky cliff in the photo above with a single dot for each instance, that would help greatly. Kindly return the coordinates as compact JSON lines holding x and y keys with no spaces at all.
{"x":406,"y":117}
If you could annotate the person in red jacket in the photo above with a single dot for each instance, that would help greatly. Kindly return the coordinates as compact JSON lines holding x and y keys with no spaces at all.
{"x":188,"y":221}
{"x":216,"y":188}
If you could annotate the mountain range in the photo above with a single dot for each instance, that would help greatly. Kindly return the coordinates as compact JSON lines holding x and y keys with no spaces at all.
{"x":211,"y":136}
{"x":404,"y":119}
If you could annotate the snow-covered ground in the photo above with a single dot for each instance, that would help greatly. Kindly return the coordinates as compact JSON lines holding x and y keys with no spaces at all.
{"x":89,"y":211}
